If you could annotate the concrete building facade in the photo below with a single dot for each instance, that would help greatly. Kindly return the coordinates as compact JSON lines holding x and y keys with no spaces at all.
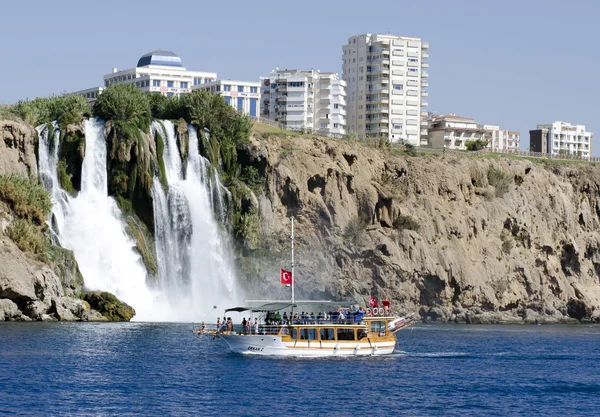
{"x":305,"y":100}
{"x":387,"y":82}
{"x":162,"y":72}
{"x":244,"y":96}
{"x":503,"y":140}
{"x":561,"y":138}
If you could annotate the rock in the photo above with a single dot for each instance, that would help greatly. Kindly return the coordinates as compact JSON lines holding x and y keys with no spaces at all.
{"x":9,"y":310}
{"x":109,"y":306}
{"x":68,"y":309}
{"x":92,"y":315}
{"x":48,"y":317}
{"x":17,"y":148}
{"x":535,"y":246}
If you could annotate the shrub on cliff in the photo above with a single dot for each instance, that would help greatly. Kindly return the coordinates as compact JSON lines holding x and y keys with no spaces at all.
{"x":124,"y":104}
{"x":26,"y":236}
{"x":476,"y":145}
{"x":66,"y":109}
{"x":406,"y":222}
{"x":26,"y":197}
{"x":109,"y":306}
{"x":500,"y":180}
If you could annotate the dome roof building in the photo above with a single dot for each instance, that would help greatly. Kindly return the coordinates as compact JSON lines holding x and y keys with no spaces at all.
{"x":160,"y":57}
{"x":160,"y":71}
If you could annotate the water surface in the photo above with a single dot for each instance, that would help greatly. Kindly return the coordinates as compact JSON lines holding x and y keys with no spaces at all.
{"x":154,"y":369}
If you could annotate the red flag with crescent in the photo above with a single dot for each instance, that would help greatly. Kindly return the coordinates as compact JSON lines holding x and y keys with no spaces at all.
{"x":285,"y":277}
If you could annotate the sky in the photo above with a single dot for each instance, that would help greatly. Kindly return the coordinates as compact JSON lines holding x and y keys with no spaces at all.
{"x":510,"y":63}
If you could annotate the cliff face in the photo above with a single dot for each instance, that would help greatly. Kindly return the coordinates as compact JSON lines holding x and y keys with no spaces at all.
{"x":17,"y":148}
{"x":452,"y":238}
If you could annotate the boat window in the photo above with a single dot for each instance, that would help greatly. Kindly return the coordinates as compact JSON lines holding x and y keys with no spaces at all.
{"x":295,"y":334}
{"x":309,"y":334}
{"x":345,"y":334}
{"x":378,"y":327}
{"x":327,"y":334}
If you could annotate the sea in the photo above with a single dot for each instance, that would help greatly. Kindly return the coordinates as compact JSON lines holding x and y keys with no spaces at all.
{"x":150,"y":369}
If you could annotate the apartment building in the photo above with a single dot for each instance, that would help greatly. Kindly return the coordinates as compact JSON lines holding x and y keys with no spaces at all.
{"x":305,"y":100}
{"x":387,"y":82}
{"x":242,"y":95}
{"x":503,"y":140}
{"x":452,"y":132}
{"x":561,"y":138}
{"x":162,"y":72}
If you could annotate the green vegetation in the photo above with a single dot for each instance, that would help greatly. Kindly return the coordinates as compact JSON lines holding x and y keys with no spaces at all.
{"x":109,"y":306}
{"x":247,"y":228}
{"x":406,"y":222}
{"x":507,"y":243}
{"x":65,"y":178}
{"x":66,"y":109}
{"x":27,"y":236}
{"x":252,"y":178}
{"x":476,"y":145}
{"x":125,"y":105}
{"x":27,"y":198}
{"x":500,"y":180}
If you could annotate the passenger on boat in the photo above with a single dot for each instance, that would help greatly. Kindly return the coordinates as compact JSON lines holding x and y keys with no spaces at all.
{"x":244,"y":325}
{"x":255,"y":326}
{"x":218,"y":323}
{"x":285,"y":318}
{"x":229,"y":324}
{"x":203,"y":327}
{"x":386,"y":306}
{"x":278,"y":318}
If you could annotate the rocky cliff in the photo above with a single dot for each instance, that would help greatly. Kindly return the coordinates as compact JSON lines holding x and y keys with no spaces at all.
{"x":452,"y":238}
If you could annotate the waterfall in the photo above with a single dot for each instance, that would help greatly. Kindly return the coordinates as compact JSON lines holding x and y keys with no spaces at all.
{"x":90,"y":224}
{"x":194,"y":267}
{"x":195,"y":271}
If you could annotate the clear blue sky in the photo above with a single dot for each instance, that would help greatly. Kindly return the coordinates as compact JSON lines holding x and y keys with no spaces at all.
{"x":508,"y":63}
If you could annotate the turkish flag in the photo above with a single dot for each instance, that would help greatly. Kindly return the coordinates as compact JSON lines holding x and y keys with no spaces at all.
{"x":285,"y":277}
{"x":373,"y":302}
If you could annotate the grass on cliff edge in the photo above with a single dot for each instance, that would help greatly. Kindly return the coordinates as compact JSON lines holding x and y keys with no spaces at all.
{"x":496,"y":155}
{"x":26,"y":197}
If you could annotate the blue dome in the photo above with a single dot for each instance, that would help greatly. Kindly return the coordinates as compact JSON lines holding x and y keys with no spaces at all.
{"x":160,"y":57}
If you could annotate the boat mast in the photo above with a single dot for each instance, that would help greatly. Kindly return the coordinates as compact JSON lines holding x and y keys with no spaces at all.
{"x":293,"y":276}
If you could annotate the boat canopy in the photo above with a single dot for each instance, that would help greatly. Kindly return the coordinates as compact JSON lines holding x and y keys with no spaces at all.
{"x":262,"y":308}
{"x":274,"y":305}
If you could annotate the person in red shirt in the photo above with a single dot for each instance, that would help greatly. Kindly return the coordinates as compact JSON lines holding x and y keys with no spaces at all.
{"x":386,"y":305}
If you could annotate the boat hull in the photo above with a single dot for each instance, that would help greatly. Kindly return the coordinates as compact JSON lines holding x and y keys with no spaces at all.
{"x":274,"y":346}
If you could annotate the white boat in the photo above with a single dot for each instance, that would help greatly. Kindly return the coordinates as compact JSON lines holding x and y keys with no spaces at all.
{"x":341,"y":331}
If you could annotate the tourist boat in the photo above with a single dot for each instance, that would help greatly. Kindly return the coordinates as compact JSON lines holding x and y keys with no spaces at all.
{"x":337,"y":331}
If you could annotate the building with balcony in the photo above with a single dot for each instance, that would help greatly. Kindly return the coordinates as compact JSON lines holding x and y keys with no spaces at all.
{"x":305,"y":100}
{"x":561,"y":138}
{"x":453,"y":132}
{"x":161,"y":72}
{"x":387,"y":82}
{"x":241,"y":95}
{"x":503,"y":140}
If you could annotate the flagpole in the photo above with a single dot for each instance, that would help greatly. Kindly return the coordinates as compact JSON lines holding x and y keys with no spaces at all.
{"x":293,"y":276}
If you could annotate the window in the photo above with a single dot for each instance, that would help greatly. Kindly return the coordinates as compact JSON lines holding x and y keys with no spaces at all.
{"x":413,"y":70}
{"x":335,"y":106}
{"x":308,"y":334}
{"x":169,"y":83}
{"x":345,"y":334}
{"x":296,"y":84}
{"x":336,"y":125}
{"x":183,"y":84}
{"x":327,"y":334}
{"x":324,"y":125}
{"x":254,"y":89}
{"x":397,"y":86}
{"x":240,"y":88}
{"x":240,"y":104}
{"x":156,"y":83}
{"x":226,"y":87}
{"x":378,"y":327}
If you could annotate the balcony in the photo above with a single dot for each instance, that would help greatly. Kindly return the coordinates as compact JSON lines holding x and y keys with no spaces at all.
{"x":425,"y":45}
{"x":424,"y":55}
{"x":424,"y":74}
{"x":424,"y":94}
{"x":424,"y":84}
{"x":424,"y":104}
{"x":424,"y":65}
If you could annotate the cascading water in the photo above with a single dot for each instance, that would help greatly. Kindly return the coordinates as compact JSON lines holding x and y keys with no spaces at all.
{"x":90,"y":224}
{"x":195,"y":272}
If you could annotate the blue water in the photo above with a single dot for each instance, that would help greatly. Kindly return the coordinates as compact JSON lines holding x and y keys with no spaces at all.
{"x":165,"y":369}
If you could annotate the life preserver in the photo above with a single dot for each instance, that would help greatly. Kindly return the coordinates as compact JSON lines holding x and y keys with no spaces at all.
{"x":375,"y":311}
{"x":369,"y":312}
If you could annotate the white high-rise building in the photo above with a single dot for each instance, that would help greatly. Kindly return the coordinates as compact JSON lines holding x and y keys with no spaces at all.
{"x":387,"y":82}
{"x":161,"y":72}
{"x":561,"y":138}
{"x":305,"y":100}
